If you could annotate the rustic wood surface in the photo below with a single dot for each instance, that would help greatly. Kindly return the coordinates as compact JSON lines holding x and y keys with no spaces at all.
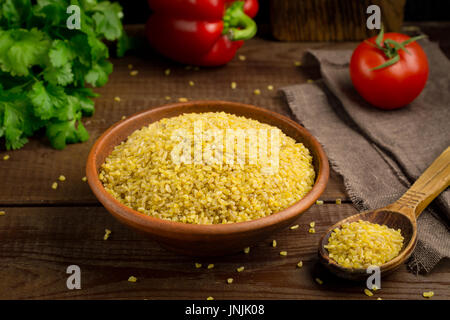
{"x":46,"y":230}
{"x":330,"y":20}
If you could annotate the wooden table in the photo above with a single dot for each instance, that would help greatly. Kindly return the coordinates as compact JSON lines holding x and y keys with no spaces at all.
{"x":45,"y":230}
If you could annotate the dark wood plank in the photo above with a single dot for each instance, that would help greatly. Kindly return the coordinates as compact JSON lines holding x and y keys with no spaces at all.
{"x":37,"y":244}
{"x":330,"y":20}
{"x":26,"y":178}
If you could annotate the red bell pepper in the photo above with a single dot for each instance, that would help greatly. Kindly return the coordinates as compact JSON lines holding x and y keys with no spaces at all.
{"x":202,"y":32}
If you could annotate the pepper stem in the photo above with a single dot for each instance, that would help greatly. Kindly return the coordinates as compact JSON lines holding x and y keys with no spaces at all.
{"x":238,"y":25}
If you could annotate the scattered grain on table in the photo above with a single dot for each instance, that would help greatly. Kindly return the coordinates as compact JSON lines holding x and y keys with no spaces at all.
{"x":167,"y":72}
{"x":319,"y":281}
{"x":6,"y":157}
{"x":134,"y":73}
{"x":368,"y":292}
{"x":210,"y":298}
{"x":300,"y":264}
{"x":117,"y":99}
{"x":130,"y":66}
{"x":183,"y":99}
{"x":191,"y":83}
{"x":270,"y":87}
{"x":240,"y":269}
{"x":2,"y":213}
{"x":132,"y":279}
{"x":246,"y":250}
{"x":210,"y":266}
{"x":297,"y":63}
{"x":233,"y":85}
{"x":274,"y":243}
{"x":283,"y":253}
{"x":55,"y":185}
{"x":84,"y":179}
{"x":107,"y":233}
{"x":428,"y":294}
{"x":242,"y":57}
{"x":312,"y":224}
{"x":338,"y":201}
{"x":198,"y":265}
{"x":62,"y":178}
{"x":312,"y":230}
{"x":319,"y":202}
{"x":167,"y":98}
{"x":309,"y":81}
{"x":257,"y":92}
{"x":294,"y":227}
{"x":230,"y":280}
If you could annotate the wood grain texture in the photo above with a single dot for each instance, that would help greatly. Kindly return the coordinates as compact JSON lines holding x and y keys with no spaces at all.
{"x":37,"y":245}
{"x":330,"y":20}
{"x":26,"y":178}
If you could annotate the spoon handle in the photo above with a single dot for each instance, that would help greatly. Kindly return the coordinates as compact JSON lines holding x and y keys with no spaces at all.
{"x":430,"y":184}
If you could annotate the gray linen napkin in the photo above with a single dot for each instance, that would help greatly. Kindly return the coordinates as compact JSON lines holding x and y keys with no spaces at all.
{"x":380,"y":153}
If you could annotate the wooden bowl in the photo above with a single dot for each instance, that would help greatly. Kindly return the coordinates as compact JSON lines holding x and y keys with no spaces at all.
{"x":195,"y":239}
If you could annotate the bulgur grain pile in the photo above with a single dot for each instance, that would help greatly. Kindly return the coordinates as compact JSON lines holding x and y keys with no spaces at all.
{"x":142,"y":175}
{"x":362,"y":243}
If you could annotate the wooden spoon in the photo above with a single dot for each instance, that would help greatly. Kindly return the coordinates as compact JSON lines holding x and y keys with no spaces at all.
{"x":401,"y":214}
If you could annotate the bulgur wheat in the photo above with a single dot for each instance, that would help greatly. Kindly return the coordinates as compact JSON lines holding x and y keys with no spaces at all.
{"x":141,"y":174}
{"x":361,"y":244}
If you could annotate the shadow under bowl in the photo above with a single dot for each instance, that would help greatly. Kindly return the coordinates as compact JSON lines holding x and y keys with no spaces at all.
{"x":197,"y":239}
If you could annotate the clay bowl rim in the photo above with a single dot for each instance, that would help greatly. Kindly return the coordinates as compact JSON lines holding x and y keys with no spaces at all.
{"x":145,"y":222}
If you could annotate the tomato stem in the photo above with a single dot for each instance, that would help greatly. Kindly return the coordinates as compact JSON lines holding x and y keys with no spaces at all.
{"x":391,"y":48}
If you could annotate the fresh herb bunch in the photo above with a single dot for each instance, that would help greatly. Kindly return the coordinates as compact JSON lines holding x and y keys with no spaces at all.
{"x":45,"y":67}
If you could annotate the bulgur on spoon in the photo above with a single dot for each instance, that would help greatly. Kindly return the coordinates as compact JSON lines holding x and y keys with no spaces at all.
{"x":341,"y":248}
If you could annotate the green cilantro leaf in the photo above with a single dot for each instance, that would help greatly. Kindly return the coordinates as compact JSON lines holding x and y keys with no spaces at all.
{"x":46,"y":100}
{"x":21,"y":49}
{"x":18,"y":120}
{"x":61,"y":53}
{"x":107,"y":19}
{"x":88,"y":5}
{"x":98,"y":49}
{"x":59,"y":75}
{"x":98,"y":75}
{"x":44,"y":66}
{"x":84,"y":96}
{"x":62,"y":132}
{"x":80,"y":44}
{"x":15,"y":12}
{"x":51,"y":13}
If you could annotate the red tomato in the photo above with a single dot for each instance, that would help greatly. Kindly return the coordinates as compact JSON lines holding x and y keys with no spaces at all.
{"x":394,"y":86}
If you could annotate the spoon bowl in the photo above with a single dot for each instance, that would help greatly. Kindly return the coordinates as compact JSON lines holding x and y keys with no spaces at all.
{"x":392,"y":219}
{"x":401,"y":214}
